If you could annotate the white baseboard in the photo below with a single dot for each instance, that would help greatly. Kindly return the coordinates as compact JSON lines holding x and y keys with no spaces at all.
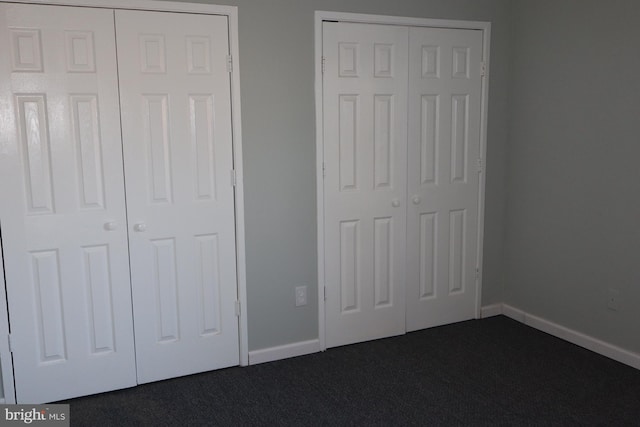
{"x":590,"y":343}
{"x":514,"y":313}
{"x":284,"y":351}
{"x":491,"y":310}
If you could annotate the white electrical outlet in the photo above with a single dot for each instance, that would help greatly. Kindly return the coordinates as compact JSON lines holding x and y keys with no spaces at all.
{"x":613,"y":300}
{"x":301,"y":296}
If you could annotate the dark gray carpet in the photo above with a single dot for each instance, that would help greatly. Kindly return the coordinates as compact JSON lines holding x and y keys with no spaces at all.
{"x":481,"y":372}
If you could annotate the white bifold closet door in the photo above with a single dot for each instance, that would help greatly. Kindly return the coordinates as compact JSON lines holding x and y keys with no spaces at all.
{"x":176,"y":128}
{"x":64,"y":229}
{"x":401,"y":108}
{"x":81,"y":233}
{"x":365,"y":109}
{"x":443,"y":185}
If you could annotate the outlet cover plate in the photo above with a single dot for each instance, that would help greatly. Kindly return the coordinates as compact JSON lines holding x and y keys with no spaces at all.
{"x":614,"y":300}
{"x":301,"y":296}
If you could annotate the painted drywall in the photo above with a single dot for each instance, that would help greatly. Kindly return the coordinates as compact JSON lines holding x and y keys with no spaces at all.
{"x":278,"y":123}
{"x":573,"y":180}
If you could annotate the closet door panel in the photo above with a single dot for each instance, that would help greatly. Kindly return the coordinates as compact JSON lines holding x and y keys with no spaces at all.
{"x":63,"y":211}
{"x":176,"y":116}
{"x":365,"y":140}
{"x":443,"y":182}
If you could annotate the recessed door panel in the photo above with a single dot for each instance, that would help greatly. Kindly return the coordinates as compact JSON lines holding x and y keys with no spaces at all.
{"x":459,"y":138}
{"x":382,"y":135}
{"x":80,"y":51}
{"x":62,"y":211}
{"x":97,"y":266}
{"x":45,"y":267}
{"x":156,"y":119}
{"x":176,"y":115}
{"x":347,"y":140}
{"x":457,"y":250}
{"x":383,"y":261}
{"x":35,"y":144}
{"x":26,"y":50}
{"x":165,"y":282}
{"x":85,"y":122}
{"x":208,"y":251}
{"x":429,"y":138}
{"x":203,"y":145}
{"x":349,"y":266}
{"x":428,"y":256}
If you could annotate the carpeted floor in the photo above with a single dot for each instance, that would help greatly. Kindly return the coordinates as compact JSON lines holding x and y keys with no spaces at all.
{"x":493,"y":371}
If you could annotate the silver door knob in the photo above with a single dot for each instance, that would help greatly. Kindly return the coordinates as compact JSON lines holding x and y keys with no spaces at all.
{"x":395,"y":203}
{"x":416,"y":200}
{"x":140,"y":227}
{"x":110,"y":226}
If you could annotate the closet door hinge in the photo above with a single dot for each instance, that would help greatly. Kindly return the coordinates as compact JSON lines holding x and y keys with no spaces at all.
{"x":234,"y":180}
{"x":324,"y":64}
{"x":480,"y":165}
{"x":11,"y":343}
{"x":237,"y":308}
{"x":229,"y":63}
{"x":325,"y":293}
{"x":324,"y":170}
{"x":477,"y":272}
{"x":483,"y":69}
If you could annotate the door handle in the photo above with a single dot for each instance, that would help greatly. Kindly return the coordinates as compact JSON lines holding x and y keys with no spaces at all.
{"x":110,"y":226}
{"x":140,"y":227}
{"x":395,"y":203}
{"x":416,"y":200}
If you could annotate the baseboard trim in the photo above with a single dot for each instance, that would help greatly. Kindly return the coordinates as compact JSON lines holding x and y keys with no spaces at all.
{"x":578,"y":338}
{"x":586,"y":341}
{"x":284,"y":351}
{"x":491,"y":310}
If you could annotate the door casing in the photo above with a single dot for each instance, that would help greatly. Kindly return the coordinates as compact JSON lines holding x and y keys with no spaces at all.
{"x":231,"y":12}
{"x":6,"y":360}
{"x":322,"y":16}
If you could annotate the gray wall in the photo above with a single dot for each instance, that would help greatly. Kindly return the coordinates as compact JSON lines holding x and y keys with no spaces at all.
{"x":573,"y":175}
{"x":278,"y":123}
{"x":572,"y":168}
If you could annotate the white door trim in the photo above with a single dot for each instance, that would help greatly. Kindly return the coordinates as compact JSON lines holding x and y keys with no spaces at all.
{"x":6,"y":361}
{"x":152,"y":5}
{"x":239,"y":195}
{"x":231,"y":12}
{"x":320,"y":17}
